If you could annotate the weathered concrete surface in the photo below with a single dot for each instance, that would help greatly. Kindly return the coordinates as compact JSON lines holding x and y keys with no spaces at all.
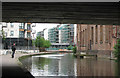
{"x":62,"y":12}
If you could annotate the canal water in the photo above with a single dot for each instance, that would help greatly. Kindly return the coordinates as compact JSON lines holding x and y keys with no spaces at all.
{"x":65,"y":64}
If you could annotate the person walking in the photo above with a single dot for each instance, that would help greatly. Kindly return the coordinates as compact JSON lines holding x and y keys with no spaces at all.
{"x":13,"y":50}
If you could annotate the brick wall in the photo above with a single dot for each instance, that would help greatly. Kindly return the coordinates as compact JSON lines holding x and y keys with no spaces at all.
{"x":96,"y":38}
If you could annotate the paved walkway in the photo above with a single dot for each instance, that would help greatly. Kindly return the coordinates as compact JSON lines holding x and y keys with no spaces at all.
{"x":10,"y":67}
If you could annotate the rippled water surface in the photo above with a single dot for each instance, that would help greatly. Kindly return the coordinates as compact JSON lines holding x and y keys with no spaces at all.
{"x":67,"y":65}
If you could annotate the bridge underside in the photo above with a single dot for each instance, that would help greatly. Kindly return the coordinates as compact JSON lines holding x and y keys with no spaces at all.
{"x":62,"y":12}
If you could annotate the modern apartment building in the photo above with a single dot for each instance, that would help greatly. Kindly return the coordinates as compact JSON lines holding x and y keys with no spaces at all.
{"x":97,"y":38}
{"x":53,"y":35}
{"x":67,"y":33}
{"x":41,"y":34}
{"x":18,"y":33}
{"x":61,"y":36}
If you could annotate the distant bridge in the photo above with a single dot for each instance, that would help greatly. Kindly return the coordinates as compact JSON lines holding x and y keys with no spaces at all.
{"x":65,"y":51}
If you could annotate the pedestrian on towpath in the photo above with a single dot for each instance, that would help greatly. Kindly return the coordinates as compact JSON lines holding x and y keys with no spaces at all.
{"x":13,"y":50}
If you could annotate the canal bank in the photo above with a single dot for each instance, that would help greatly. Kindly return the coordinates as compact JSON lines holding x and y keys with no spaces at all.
{"x":96,"y":54}
{"x":12,"y":67}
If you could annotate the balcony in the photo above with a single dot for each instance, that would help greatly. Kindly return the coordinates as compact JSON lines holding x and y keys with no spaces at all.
{"x":21,"y":29}
{"x":29,"y":23}
{"x":28,"y":30}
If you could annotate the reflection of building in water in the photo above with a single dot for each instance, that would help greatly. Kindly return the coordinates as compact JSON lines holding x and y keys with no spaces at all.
{"x":44,"y":66}
{"x":39,"y":66}
{"x":88,"y":67}
{"x":69,"y":66}
{"x":66,"y":66}
{"x":53,"y":66}
{"x":75,"y":67}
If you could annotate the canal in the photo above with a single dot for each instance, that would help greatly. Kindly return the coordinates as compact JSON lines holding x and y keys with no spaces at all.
{"x":65,"y":64}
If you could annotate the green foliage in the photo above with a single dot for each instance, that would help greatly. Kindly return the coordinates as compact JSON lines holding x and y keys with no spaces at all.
{"x":41,"y":43}
{"x":117,"y":50}
{"x":74,"y":49}
{"x":70,"y":47}
{"x":33,"y":42}
{"x":3,"y":34}
{"x":47,"y":44}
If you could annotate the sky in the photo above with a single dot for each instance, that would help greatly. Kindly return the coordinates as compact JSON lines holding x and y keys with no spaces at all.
{"x":41,"y":26}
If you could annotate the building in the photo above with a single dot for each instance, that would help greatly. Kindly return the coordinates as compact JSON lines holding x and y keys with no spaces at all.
{"x":53,"y":35}
{"x":61,"y":36}
{"x":41,"y":34}
{"x":67,"y":34}
{"x":18,"y":33}
{"x":97,"y":38}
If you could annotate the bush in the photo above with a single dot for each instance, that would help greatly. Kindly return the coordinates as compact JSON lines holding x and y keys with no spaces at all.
{"x":74,"y":49}
{"x":70,"y":47}
{"x":117,"y":50}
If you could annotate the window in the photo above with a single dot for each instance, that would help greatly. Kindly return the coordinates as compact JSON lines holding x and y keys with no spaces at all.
{"x":106,"y":33}
{"x":92,"y":35}
{"x":21,"y":26}
{"x":12,"y":33}
{"x":12,"y":25}
{"x":28,"y":27}
{"x":6,"y":34}
{"x":101,"y":34}
{"x":28,"y":35}
{"x":21,"y":34}
{"x":96,"y":33}
{"x":83,"y":36}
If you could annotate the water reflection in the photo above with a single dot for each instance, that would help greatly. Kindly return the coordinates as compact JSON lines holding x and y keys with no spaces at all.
{"x":67,"y":65}
{"x":49,"y":66}
{"x":94,"y":67}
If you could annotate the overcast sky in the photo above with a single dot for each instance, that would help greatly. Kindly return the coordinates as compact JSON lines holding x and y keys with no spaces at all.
{"x":41,"y":26}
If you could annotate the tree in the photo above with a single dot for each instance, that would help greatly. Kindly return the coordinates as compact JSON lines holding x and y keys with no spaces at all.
{"x":41,"y":43}
{"x":74,"y":49}
{"x":4,"y":40}
{"x":3,"y":34}
{"x":117,"y":50}
{"x":47,"y":44}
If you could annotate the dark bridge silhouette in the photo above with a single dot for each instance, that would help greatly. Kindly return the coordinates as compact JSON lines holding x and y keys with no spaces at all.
{"x":62,"y":12}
